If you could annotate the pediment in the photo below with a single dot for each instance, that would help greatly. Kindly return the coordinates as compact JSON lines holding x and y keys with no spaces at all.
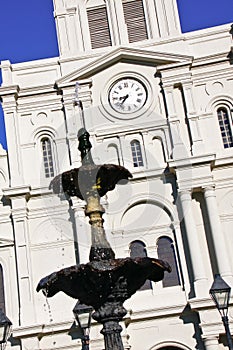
{"x":136,"y":56}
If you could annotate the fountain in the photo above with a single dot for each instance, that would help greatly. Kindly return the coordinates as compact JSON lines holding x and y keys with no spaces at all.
{"x":104,"y":282}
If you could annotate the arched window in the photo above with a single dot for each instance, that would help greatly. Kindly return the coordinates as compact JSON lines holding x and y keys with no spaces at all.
{"x":99,"y":26}
{"x":2,"y":296}
{"x":135,"y":20}
{"x":136,"y":153}
{"x":225,"y":125}
{"x":166,"y":252}
{"x":47,"y":157}
{"x":113,"y":154}
{"x":138,"y":250}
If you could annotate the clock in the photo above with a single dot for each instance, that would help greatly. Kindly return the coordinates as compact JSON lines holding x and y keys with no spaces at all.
{"x":127,"y":95}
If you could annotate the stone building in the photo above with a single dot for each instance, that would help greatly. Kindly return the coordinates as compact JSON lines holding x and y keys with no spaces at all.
{"x":158,"y":102}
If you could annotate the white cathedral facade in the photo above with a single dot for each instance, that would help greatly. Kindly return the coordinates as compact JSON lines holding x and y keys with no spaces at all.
{"x":158,"y":102}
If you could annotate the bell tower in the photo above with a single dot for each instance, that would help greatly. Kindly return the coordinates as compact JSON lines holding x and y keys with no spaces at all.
{"x":92,"y":26}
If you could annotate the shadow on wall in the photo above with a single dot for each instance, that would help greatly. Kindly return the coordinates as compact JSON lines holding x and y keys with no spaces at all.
{"x":189,"y":316}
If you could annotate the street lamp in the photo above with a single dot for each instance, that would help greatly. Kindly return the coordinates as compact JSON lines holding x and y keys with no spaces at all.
{"x":220,"y":293}
{"x":82,"y":313}
{"x":5,"y":328}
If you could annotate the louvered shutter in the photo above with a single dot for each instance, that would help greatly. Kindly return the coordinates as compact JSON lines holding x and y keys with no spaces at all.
{"x":98,"y":27}
{"x":135,"y":20}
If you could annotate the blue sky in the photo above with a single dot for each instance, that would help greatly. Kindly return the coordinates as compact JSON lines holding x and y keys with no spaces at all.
{"x":28,"y":30}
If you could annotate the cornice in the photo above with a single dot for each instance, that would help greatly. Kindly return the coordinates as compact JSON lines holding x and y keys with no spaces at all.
{"x":71,"y":84}
{"x":201,"y":303}
{"x":18,"y":191}
{"x":37,"y":90}
{"x":210,"y":59}
{"x":223,"y":160}
{"x":101,"y":134}
{"x":221,"y":30}
{"x":171,"y":66}
{"x":46,"y":62}
{"x":192,"y":161}
{"x":164,"y":312}
{"x":9,"y":90}
{"x":42,"y":329}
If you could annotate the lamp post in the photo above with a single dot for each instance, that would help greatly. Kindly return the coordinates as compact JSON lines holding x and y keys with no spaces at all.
{"x":220,"y":293}
{"x":5,"y":329}
{"x":82,"y":313}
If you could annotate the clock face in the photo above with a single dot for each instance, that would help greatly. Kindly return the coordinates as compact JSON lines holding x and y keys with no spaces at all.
{"x":127,"y":95}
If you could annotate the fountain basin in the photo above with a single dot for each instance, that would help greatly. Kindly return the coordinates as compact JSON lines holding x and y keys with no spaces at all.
{"x":94,"y":282}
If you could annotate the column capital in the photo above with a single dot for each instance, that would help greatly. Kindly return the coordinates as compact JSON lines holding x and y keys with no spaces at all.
{"x":209,"y":191}
{"x":185,"y":194}
{"x":187,"y":83}
{"x":211,"y":343}
{"x":168,"y":86}
{"x":71,"y":10}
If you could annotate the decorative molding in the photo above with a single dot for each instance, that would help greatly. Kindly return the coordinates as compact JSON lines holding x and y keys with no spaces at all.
{"x":6,"y":242}
{"x":125,"y":54}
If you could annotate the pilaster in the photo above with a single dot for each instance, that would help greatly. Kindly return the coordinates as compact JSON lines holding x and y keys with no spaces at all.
{"x":19,"y":211}
{"x":120,"y":18}
{"x":114,"y":23}
{"x":77,"y":112}
{"x":147,"y":149}
{"x":127,"y":159}
{"x":178,"y":148}
{"x":62,"y":34}
{"x":85,"y":109}
{"x":168,"y":18}
{"x":9,"y":97}
{"x":74,"y":31}
{"x":6,"y":70}
{"x":84,"y":26}
{"x":72,"y":123}
{"x":82,"y":242}
{"x":153,"y":23}
{"x":194,"y":244}
{"x":197,"y":141}
{"x":211,"y":343}
{"x":217,"y":232}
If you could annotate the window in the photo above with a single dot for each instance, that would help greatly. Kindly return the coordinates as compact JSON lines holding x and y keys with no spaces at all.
{"x":135,"y":20}
{"x":138,"y":250}
{"x":136,"y":153}
{"x":99,"y":27}
{"x":47,"y":157}
{"x":113,"y":154}
{"x":166,"y":252}
{"x":2,"y":296}
{"x":225,"y":127}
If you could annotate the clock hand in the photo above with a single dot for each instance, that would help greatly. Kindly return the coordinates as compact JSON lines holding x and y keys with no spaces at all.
{"x":124,"y":98}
